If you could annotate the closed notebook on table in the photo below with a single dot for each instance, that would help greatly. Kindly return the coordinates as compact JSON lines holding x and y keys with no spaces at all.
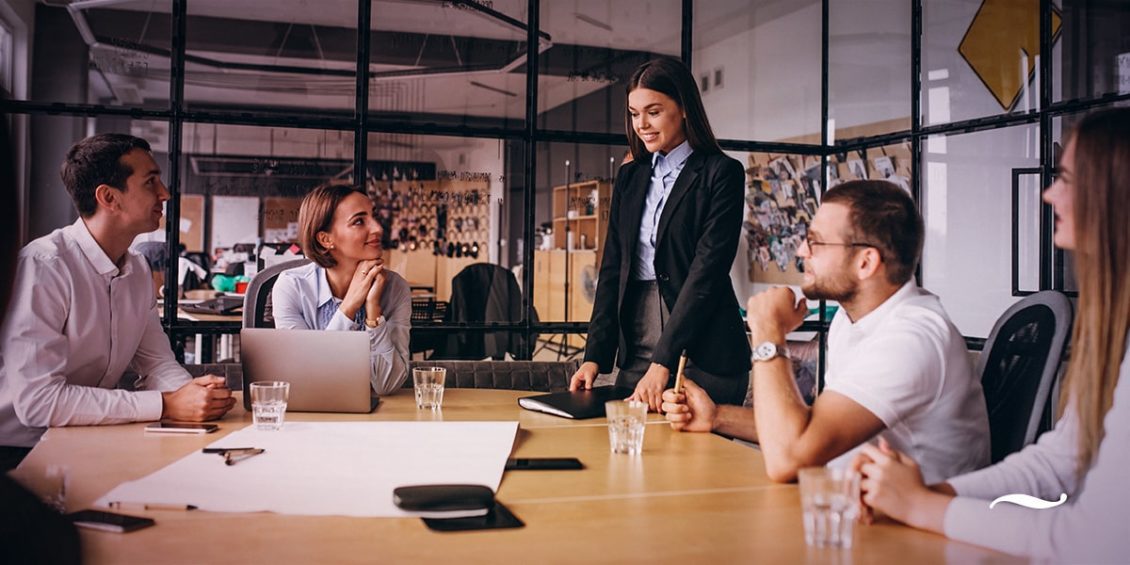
{"x":577,"y":405}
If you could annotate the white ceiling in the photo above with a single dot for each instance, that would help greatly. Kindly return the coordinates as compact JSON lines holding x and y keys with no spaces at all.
{"x":652,"y":26}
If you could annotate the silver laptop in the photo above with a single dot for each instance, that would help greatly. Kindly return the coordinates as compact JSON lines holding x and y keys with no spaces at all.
{"x":328,"y":371}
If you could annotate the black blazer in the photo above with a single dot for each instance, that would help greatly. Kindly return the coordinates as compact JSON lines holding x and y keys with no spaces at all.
{"x":695,"y":247}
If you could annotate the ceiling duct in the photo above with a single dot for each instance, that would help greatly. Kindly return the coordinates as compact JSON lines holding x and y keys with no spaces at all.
{"x":274,"y":167}
{"x":76,"y":11}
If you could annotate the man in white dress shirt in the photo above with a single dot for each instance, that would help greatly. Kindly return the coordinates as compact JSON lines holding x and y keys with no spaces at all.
{"x":83,"y":311}
{"x":897,"y":366}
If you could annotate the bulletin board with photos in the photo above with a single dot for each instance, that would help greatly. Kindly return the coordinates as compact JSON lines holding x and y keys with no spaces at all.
{"x":783,"y":192}
{"x":280,"y":219}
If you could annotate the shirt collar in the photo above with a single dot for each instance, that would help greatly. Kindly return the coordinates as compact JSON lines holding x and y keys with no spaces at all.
{"x":676,"y":157}
{"x":875,"y":317}
{"x":90,"y":248}
{"x":324,"y":294}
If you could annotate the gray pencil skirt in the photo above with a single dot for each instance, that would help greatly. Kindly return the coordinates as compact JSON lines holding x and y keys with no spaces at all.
{"x":644,"y":316}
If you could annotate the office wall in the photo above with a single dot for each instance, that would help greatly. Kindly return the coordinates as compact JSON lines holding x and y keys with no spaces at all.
{"x":60,"y":60}
{"x":967,"y":181}
{"x":771,"y":76}
{"x":20,"y":15}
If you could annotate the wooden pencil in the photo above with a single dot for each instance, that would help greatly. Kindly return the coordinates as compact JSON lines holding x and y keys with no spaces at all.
{"x":679,"y":375}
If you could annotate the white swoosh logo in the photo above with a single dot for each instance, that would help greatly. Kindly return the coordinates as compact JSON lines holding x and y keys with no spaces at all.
{"x":1030,"y":501}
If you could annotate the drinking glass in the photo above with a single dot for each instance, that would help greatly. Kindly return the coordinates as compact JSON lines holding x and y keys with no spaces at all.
{"x":268,"y":404}
{"x":830,"y":500}
{"x":626,"y":419}
{"x":428,"y":384}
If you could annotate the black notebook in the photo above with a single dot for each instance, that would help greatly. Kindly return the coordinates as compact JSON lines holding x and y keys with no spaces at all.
{"x":577,"y":405}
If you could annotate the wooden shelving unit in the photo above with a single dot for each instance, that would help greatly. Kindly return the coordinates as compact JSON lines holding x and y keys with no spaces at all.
{"x":576,"y":213}
{"x":560,"y":273}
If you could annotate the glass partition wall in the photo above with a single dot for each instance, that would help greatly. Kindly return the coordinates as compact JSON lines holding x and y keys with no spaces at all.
{"x":491,"y":132}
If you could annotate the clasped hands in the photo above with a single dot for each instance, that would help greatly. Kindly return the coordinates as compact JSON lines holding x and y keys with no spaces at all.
{"x":365,"y":289}
{"x":203,"y":398}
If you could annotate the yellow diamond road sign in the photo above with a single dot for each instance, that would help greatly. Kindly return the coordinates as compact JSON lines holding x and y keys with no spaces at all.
{"x":1000,"y":35}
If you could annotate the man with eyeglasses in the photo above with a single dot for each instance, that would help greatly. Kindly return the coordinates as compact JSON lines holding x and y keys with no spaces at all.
{"x":896,"y":366}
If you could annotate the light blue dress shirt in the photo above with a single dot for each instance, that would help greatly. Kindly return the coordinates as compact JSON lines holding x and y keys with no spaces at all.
{"x":664,"y":170}
{"x":301,"y":300}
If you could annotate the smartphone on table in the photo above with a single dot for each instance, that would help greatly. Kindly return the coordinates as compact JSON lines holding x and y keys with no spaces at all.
{"x":109,"y":521}
{"x":544,"y":464}
{"x":180,"y":428}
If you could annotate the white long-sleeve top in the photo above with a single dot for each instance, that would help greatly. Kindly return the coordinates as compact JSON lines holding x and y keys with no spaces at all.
{"x":301,"y":300}
{"x":1093,"y":526}
{"x":76,"y":322}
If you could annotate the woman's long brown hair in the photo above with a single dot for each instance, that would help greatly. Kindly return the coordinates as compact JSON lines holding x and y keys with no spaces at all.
{"x":673,"y":79}
{"x":1102,"y":269}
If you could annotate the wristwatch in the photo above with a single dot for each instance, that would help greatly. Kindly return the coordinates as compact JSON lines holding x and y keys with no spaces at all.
{"x":767,"y":351}
{"x":375,"y":323}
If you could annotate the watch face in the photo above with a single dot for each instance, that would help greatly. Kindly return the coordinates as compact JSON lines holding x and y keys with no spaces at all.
{"x":765,"y":351}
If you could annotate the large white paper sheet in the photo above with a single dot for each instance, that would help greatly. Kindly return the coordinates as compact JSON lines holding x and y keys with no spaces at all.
{"x":329,"y":468}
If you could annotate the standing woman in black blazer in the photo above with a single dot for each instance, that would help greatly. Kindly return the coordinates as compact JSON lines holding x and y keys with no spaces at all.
{"x":664,"y":284}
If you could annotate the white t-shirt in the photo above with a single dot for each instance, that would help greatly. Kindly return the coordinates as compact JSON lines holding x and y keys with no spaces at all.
{"x":907,"y":364}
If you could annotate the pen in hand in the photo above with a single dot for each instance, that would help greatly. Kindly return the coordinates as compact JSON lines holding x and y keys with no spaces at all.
{"x":680,"y":375}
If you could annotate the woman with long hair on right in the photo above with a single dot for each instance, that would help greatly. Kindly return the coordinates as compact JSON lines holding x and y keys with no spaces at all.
{"x":1087,"y":455}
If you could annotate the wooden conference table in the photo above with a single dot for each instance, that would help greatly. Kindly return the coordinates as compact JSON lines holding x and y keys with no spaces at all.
{"x":690,"y":498}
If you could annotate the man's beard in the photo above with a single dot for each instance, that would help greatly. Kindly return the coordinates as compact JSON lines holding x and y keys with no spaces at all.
{"x":838,"y":288}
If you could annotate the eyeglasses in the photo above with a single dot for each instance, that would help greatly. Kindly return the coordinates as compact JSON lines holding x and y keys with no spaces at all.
{"x":812,"y":243}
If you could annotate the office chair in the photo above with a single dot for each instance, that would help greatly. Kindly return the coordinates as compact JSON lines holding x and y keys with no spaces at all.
{"x":257,"y":301}
{"x":484,"y":292}
{"x":1019,"y":366}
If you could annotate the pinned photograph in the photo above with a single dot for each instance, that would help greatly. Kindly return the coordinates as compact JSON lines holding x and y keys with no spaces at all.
{"x":783,"y":168}
{"x":885,"y":166}
{"x":858,"y":168}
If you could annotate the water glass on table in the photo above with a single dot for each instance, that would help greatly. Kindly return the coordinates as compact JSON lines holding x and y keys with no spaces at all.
{"x":829,"y":498}
{"x":626,"y":420}
{"x":268,"y":404}
{"x":428,"y":383}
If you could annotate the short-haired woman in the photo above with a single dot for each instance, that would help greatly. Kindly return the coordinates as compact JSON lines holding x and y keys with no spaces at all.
{"x":1085,"y":457}
{"x":347,"y":288}
{"x":664,"y":284}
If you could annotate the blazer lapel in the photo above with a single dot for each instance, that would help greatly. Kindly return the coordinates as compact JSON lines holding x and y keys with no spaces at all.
{"x":682,"y":186}
{"x":632,"y":210}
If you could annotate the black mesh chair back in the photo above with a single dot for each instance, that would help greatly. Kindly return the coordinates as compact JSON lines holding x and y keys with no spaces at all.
{"x":537,"y":376}
{"x":257,"y":301}
{"x":1019,"y":366}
